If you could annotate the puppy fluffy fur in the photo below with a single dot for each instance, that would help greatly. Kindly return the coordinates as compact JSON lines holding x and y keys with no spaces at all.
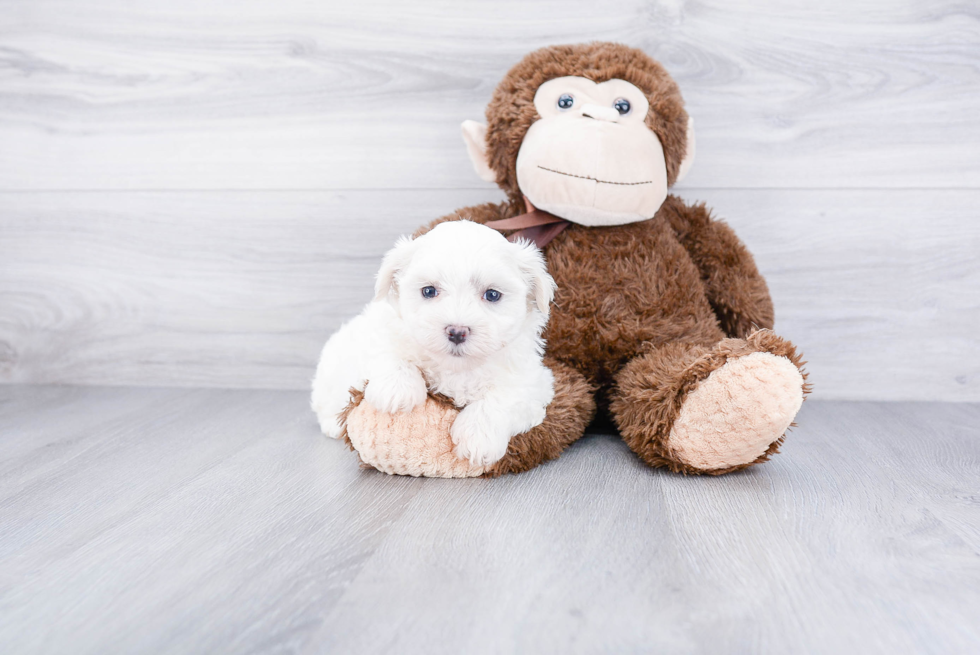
{"x":404,"y":344}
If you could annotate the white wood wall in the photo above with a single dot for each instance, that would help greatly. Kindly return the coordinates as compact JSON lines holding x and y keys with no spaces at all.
{"x":197,"y":193}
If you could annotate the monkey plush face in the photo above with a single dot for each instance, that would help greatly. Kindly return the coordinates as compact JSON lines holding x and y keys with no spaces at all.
{"x":593,"y":133}
{"x":590,"y":158}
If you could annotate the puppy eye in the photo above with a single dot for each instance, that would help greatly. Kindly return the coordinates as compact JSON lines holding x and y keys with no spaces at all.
{"x":622,"y":105}
{"x":565,"y":101}
{"x":429,"y":292}
{"x":491,"y":295}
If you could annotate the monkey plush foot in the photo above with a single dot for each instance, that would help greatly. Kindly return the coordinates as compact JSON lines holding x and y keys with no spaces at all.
{"x":733,"y":417}
{"x":699,"y":409}
{"x":418,"y":443}
{"x":415,"y":443}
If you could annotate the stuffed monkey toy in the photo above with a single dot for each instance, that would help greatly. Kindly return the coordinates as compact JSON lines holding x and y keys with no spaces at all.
{"x":661,"y":318}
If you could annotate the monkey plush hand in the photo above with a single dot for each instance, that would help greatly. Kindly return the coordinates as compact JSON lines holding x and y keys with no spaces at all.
{"x":661,"y":318}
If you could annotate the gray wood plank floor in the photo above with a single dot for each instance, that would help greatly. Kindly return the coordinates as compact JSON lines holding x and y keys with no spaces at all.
{"x":206,"y":521}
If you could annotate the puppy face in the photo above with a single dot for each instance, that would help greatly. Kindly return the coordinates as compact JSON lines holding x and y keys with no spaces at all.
{"x":463,"y":291}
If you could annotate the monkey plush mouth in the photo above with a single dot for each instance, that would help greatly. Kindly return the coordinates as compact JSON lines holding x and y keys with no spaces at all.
{"x":586,"y":177}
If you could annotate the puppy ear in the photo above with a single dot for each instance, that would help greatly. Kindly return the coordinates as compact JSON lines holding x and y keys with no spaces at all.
{"x":531,"y":262}
{"x":395,"y":260}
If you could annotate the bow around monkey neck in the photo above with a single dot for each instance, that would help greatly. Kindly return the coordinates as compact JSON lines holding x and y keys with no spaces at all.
{"x":536,"y":225}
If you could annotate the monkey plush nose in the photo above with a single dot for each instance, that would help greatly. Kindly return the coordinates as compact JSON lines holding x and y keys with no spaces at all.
{"x":457,"y":334}
{"x":601,"y":113}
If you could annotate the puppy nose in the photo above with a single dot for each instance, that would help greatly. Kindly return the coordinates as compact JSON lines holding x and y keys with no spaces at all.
{"x":457,"y":333}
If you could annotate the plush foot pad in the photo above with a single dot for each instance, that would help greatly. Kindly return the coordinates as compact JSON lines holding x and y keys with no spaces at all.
{"x":416,"y":443}
{"x":737,"y":412}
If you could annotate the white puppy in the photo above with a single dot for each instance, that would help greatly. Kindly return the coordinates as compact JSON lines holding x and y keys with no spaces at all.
{"x":458,"y":311}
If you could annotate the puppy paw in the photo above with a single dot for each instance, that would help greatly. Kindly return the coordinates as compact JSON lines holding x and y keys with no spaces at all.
{"x":397,"y":390}
{"x":329,"y":426}
{"x":477,"y":438}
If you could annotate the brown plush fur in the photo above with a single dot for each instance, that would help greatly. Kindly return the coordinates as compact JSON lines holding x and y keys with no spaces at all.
{"x":356,"y":396}
{"x":643,"y":311}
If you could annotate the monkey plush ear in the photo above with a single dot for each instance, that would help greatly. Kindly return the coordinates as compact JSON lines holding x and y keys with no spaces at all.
{"x":394,"y":261}
{"x":475,"y":137}
{"x":689,"y":153}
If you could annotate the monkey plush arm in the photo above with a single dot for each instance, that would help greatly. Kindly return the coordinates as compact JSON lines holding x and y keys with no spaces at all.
{"x":736,"y":290}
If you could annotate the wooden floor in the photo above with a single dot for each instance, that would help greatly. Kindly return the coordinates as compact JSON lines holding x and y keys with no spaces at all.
{"x":207,"y":521}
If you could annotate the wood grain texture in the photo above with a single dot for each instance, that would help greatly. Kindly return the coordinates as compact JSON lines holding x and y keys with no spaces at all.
{"x":106,"y":94}
{"x":185,"y":521}
{"x":347,"y":115}
{"x":880,"y":289}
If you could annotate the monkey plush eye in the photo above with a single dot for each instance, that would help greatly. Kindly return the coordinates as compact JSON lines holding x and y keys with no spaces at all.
{"x":491,"y":295}
{"x":622,"y":105}
{"x":565,"y":101}
{"x":429,"y":292}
